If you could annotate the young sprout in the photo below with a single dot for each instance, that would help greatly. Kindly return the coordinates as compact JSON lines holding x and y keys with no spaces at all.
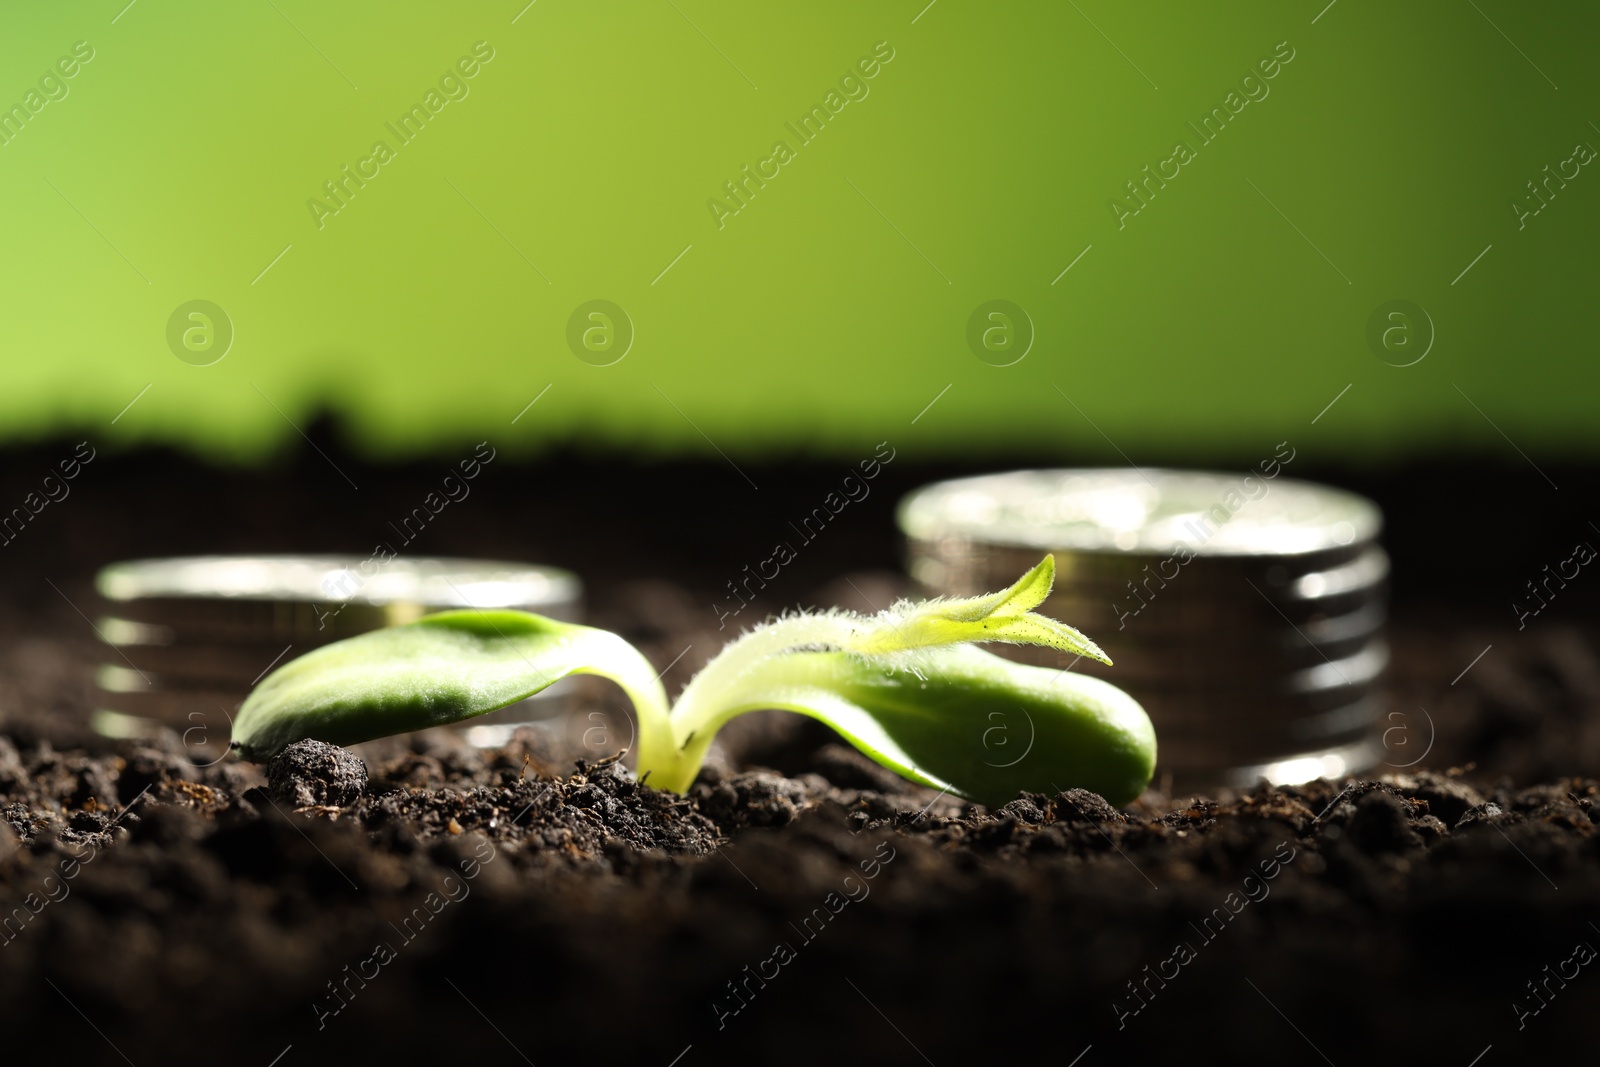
{"x":905,"y":686}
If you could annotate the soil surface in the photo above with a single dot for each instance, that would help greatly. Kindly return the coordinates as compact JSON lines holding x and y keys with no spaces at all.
{"x":534,"y":903}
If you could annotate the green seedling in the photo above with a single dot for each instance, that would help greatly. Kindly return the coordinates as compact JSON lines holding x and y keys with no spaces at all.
{"x":905,"y":686}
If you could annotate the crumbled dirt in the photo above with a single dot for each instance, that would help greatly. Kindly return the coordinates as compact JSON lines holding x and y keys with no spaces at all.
{"x":800,"y":904}
{"x":553,"y":903}
{"x":313,"y":774}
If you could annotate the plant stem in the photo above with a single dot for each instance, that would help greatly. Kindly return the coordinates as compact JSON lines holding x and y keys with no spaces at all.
{"x":626,"y":666}
{"x":692,"y":720}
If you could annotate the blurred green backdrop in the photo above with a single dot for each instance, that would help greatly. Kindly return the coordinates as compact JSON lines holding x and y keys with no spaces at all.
{"x":978,"y":162}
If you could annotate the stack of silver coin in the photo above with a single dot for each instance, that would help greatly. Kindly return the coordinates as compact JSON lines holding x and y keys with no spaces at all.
{"x":1245,"y":611}
{"x":188,"y":638}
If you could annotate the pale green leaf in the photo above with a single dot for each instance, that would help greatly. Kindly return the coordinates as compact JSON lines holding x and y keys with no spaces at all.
{"x":438,"y":670}
{"x":964,"y":721}
{"x":1006,"y":617}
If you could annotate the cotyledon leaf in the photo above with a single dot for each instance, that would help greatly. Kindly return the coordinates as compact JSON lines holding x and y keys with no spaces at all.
{"x":959,"y":719}
{"x":439,"y":669}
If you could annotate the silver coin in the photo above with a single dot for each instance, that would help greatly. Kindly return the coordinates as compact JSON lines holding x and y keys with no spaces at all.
{"x":314,"y":599}
{"x":954,"y":562}
{"x":211,"y":709}
{"x":1149,"y":511}
{"x":1221,"y":653}
{"x":1244,"y":613}
{"x":1223,"y":697}
{"x":1269,"y":741}
{"x":1285,"y":732}
{"x":169,"y":662}
{"x":1196,"y":771}
{"x":189,"y":637}
{"x":1361,"y":573}
{"x":1106,"y":618}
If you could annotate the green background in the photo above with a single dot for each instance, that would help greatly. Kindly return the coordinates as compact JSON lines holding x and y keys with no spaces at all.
{"x":834,"y":307}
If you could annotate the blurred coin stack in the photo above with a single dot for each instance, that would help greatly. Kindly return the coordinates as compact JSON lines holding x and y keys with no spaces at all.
{"x":1245,"y":612}
{"x":188,"y":638}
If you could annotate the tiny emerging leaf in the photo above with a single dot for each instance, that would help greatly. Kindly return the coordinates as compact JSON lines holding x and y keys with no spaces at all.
{"x":1006,"y":616}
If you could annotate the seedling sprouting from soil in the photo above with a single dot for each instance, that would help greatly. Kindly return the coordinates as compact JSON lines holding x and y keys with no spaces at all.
{"x":905,"y":686}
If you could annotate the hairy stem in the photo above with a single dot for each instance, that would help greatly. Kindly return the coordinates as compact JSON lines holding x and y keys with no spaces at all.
{"x":701,"y":708}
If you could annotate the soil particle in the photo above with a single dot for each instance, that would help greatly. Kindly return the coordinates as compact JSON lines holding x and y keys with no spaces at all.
{"x":315,"y":774}
{"x":573,"y":817}
{"x":1381,"y":824}
{"x":756,"y":799}
{"x":1448,"y":798}
{"x":1485,"y":814}
{"x":1082,"y":806}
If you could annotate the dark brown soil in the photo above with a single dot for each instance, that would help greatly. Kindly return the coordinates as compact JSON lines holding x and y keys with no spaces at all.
{"x":800,"y":905}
